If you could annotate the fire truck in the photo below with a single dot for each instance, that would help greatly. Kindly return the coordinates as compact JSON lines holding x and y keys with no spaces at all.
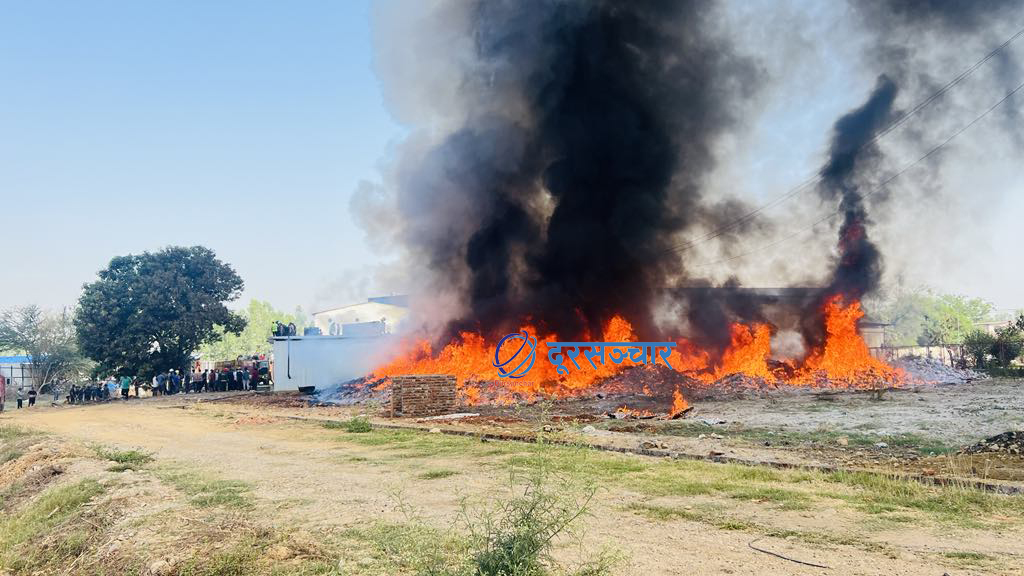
{"x":264,"y":369}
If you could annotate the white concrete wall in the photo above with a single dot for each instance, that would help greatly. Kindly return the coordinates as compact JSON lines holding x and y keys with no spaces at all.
{"x":363,"y":312}
{"x":324,"y":361}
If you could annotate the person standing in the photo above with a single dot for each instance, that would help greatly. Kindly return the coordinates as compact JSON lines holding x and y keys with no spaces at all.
{"x":3,"y":392}
{"x":135,"y":382}
{"x":21,"y":395}
{"x":246,"y":379}
{"x":31,"y":396}
{"x":126,"y":385}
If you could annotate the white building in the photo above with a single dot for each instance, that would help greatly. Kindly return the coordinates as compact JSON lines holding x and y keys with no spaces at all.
{"x":391,"y":310}
{"x":353,"y":340}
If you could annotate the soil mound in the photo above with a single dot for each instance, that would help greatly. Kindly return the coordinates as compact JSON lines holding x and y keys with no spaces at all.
{"x":1007,"y":443}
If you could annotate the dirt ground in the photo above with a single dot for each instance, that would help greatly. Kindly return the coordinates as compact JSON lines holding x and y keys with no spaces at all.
{"x":305,"y":477}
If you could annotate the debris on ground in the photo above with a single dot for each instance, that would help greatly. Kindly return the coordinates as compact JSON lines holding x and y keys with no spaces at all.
{"x":455,"y":416}
{"x":1007,"y":442}
{"x":933,"y":371}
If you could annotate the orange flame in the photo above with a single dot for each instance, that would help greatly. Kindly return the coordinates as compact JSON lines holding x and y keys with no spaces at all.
{"x":679,"y":404}
{"x":843,"y":360}
{"x":845,"y":357}
{"x":470,"y":360}
{"x":748,"y":353}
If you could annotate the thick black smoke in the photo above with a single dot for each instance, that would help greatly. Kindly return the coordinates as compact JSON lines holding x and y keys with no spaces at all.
{"x":589,"y":132}
{"x":855,"y":160}
{"x":854,"y":152}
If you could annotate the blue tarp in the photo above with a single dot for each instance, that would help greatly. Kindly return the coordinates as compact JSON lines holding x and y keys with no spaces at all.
{"x":14,"y":360}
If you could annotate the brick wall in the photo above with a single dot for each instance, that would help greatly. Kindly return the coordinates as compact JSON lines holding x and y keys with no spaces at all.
{"x":419,"y":395}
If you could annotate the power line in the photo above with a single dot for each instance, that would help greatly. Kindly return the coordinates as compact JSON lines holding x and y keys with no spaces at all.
{"x":881,"y":186}
{"x":817,"y":176}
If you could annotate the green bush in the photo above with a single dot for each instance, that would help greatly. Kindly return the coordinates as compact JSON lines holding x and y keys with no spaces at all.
{"x":515,"y":537}
{"x":978,"y":344}
{"x":125,"y":459}
{"x":1007,"y":345}
{"x":359,"y":424}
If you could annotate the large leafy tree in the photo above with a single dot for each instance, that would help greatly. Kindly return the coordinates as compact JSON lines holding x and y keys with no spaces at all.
{"x":260,"y":317}
{"x":48,"y":339}
{"x":150,"y":312}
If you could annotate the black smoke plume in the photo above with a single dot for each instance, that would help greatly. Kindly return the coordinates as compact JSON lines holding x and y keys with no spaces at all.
{"x":853,"y":152}
{"x":855,"y":158}
{"x":579,"y":163}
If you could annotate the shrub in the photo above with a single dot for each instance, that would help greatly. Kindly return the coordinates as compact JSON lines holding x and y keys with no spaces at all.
{"x":358,"y":424}
{"x":1006,"y":346}
{"x":515,"y":537}
{"x":978,"y":344}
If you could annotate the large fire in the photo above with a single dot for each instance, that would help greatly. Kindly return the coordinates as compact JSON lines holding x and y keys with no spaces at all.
{"x":843,"y":360}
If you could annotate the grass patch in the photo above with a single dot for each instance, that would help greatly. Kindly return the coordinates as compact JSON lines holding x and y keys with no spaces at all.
{"x":10,"y":432}
{"x":206,"y":492}
{"x":19,"y":533}
{"x":874,"y":494}
{"x":410,"y":548}
{"x":418,"y":444}
{"x":8,"y":454}
{"x":437,"y":474}
{"x":954,"y":504}
{"x":919,"y":443}
{"x":124,"y":459}
{"x":357,"y":425}
{"x":968,"y":557}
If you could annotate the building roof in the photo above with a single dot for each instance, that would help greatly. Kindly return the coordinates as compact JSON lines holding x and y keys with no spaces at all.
{"x":396,"y":301}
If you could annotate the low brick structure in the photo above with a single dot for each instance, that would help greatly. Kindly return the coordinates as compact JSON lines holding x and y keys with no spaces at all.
{"x":419,"y":395}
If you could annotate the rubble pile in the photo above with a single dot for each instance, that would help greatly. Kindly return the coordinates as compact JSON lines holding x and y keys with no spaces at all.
{"x":1007,"y":443}
{"x":932,"y":371}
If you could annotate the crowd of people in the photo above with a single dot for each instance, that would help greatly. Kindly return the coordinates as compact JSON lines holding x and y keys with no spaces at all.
{"x":166,"y":383}
{"x":175,"y":382}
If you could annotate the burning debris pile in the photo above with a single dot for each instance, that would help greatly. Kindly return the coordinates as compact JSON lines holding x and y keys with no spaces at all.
{"x":746,"y":364}
{"x":551,"y":193}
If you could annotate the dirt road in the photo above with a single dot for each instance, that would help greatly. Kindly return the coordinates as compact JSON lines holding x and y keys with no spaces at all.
{"x":661,"y":517}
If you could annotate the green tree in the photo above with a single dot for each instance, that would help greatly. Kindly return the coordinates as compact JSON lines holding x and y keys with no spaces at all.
{"x":150,"y":312}
{"x":48,"y":339}
{"x":260,"y":317}
{"x":978,"y":345}
{"x":921,"y":317}
{"x":1006,"y":346}
{"x":948,"y":318}
{"x":903,"y":310}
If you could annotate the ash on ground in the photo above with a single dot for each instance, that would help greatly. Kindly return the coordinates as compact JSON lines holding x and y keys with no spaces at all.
{"x":931,"y":371}
{"x":353,"y":393}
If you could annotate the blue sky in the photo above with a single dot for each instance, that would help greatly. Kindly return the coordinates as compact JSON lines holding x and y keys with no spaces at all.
{"x":128,"y":126}
{"x":246,"y":126}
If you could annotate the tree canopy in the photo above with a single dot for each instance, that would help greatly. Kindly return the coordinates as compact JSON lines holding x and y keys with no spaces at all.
{"x":260,"y":317}
{"x":150,"y":312}
{"x":48,"y":339}
{"x":921,"y":317}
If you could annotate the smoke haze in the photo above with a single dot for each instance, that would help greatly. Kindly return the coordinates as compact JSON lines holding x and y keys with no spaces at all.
{"x":561,"y":152}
